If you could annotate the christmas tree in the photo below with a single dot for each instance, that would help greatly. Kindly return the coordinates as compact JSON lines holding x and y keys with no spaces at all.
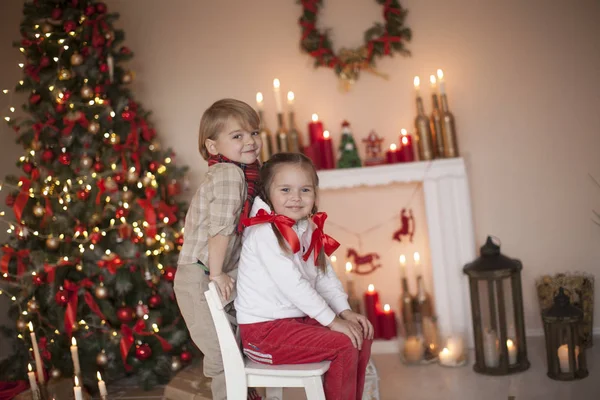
{"x":347,"y":151}
{"x":95,"y":238}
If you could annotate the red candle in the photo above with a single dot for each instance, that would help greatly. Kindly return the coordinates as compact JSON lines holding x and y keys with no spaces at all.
{"x":406,"y":147}
{"x":371,"y":308}
{"x":392,"y":155}
{"x":326,"y":152}
{"x":312,"y":152}
{"x":315,"y":129}
{"x":387,"y":323}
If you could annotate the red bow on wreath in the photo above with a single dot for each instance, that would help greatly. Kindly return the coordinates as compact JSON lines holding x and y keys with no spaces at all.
{"x":320,"y":240}
{"x":284,"y":225}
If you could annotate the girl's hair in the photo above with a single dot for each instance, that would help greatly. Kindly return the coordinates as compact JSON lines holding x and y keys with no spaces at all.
{"x":267,"y":173}
{"x":216,"y":116}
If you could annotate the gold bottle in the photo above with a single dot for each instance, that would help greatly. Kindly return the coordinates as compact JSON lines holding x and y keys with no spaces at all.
{"x":267,"y":141}
{"x":406,"y":308}
{"x":436,"y":126}
{"x":448,"y":130}
{"x":281,"y":136}
{"x":294,"y":137}
{"x":424,"y":139}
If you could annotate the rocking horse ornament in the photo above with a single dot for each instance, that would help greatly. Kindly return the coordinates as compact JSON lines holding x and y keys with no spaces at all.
{"x":407,"y":226}
{"x":361,"y":262}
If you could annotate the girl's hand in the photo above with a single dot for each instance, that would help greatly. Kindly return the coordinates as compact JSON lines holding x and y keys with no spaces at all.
{"x":365,"y":324}
{"x":348,"y":328}
{"x":225,"y":284}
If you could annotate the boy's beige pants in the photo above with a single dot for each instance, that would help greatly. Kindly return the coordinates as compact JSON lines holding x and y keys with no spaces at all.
{"x":190,"y":284}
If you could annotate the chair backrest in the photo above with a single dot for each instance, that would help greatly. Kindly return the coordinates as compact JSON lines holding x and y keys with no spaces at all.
{"x":233,"y":362}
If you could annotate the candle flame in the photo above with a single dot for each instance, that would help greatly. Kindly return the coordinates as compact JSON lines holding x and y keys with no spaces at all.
{"x":276,"y":83}
{"x":348,"y":266}
{"x":393,"y":147}
{"x":333,"y":258}
{"x":432,"y":79}
{"x":403,"y":132}
{"x":259,"y":97}
{"x":99,"y":376}
{"x":402,"y":259}
{"x":446,"y":351}
{"x":371,"y":288}
{"x":73,"y":341}
{"x":315,"y":117}
{"x":416,"y":257}
{"x":404,"y":140}
{"x":417,"y":82}
{"x":326,"y":134}
{"x":509,"y":343}
{"x":30,"y":326}
{"x":290,"y":96}
{"x":386,"y":308}
{"x":29,"y":367}
{"x":440,"y":74}
{"x":76,"y":381}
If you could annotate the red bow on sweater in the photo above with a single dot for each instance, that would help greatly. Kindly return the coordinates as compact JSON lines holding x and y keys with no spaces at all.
{"x":320,"y":240}
{"x":283,"y":223}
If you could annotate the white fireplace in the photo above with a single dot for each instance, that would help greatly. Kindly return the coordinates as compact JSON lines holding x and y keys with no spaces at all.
{"x":449,"y":224}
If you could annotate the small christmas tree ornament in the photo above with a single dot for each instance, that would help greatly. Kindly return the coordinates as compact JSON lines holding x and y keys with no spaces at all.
{"x":125,"y":314}
{"x":127,"y":77}
{"x":64,"y":74}
{"x":52,"y":243}
{"x":348,"y":153}
{"x":154,"y":301}
{"x":76,"y":59}
{"x":39,"y":210}
{"x":175,"y":364}
{"x":55,"y":373}
{"x":186,"y":356}
{"x":373,"y":149}
{"x":33,"y":305}
{"x":93,"y":127}
{"x":86,"y":162}
{"x":101,"y":291}
{"x":143,"y":352}
{"x":87,"y":92}
{"x":21,"y":325}
{"x":102,"y":359}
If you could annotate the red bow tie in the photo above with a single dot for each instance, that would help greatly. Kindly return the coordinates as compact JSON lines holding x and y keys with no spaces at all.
{"x":283,"y":223}
{"x":320,"y":240}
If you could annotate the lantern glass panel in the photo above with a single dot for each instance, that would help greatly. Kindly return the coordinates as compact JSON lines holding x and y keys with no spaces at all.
{"x":564,"y":336}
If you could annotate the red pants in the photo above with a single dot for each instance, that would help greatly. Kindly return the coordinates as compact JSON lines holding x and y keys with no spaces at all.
{"x":304,"y":340}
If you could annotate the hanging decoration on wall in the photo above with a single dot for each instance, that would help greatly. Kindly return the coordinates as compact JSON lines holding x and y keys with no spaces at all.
{"x":407,"y":226}
{"x":380,"y":40}
{"x":361,"y":262}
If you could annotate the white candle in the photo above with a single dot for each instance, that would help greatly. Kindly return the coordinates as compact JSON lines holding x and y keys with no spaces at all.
{"x":563,"y":358}
{"x":413,"y":349}
{"x":36,"y":354}
{"x":290,"y":99}
{"x":101,"y":385}
{"x":349,"y":271}
{"x":31,"y":376}
{"x":441,"y":82}
{"x":277,"y":93}
{"x":259,"y":101}
{"x":446,"y":357}
{"x":417,"y":259}
{"x":402,"y":258}
{"x":490,"y":349}
{"x":75,"y":356}
{"x":512,"y":351}
{"x":433,"y":82}
{"x":77,"y":390}
{"x":417,"y":83}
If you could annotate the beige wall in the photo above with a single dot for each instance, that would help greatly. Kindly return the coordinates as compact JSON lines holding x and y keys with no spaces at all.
{"x":522,"y":78}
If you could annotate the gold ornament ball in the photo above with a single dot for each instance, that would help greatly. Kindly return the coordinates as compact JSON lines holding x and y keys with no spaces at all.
{"x":155,"y":145}
{"x":147,"y":180}
{"x":47,"y":28}
{"x":36,"y":145}
{"x":64,"y":74}
{"x":110,"y":35}
{"x":87,"y":92}
{"x":38,"y":210}
{"x":150,"y":241}
{"x":156,"y":279}
{"x":127,"y":77}
{"x":94,"y":127}
{"x":114,"y":138}
{"x":86,"y":162}
{"x":102,"y":359}
{"x":55,"y":373}
{"x":76,"y":59}
{"x":95,"y":219}
{"x":127,"y":196}
{"x":101,"y":292}
{"x":175,"y":364}
{"x":111,"y":184}
{"x":33,"y":305}
{"x":21,"y":325}
{"x":52,"y":243}
{"x":132,"y":176}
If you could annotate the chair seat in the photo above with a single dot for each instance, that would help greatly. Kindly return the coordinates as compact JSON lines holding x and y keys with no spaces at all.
{"x":291,"y":370}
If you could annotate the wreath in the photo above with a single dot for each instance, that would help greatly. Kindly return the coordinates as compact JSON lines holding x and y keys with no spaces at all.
{"x":379,"y":40}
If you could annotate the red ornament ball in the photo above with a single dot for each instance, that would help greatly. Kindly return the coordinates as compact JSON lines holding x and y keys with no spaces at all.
{"x":35,"y":98}
{"x":98,"y":41}
{"x":79,"y":229}
{"x":154,"y":301}
{"x":69,"y":26}
{"x":44,"y":61}
{"x":95,"y":237}
{"x":101,"y":8}
{"x":27,"y":167}
{"x":153,"y":166}
{"x":85,"y":51}
{"x":98,"y":166}
{"x":65,"y":158}
{"x":170,"y":273}
{"x":119,"y":178}
{"x":127,"y":115}
{"x":47,"y":155}
{"x":83,"y":195}
{"x":90,"y":10}
{"x":186,"y":356}
{"x":125,"y":50}
{"x":62,"y":297}
{"x":60,"y":108}
{"x":125,"y":314}
{"x":56,"y":13}
{"x":143,"y":352}
{"x":121,"y":212}
{"x":103,"y":68}
{"x":179,"y":241}
{"x":38,"y":280}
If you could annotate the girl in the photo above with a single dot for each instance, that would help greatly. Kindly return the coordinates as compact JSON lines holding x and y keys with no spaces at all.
{"x":291,"y":308}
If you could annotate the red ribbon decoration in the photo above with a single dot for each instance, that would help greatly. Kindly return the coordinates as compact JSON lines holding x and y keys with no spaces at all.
{"x":386,"y":39}
{"x":50,"y":271}
{"x":168,"y":210}
{"x":310,"y":5}
{"x":387,"y":8}
{"x":70,"y":123}
{"x":9,"y":253}
{"x":284,"y":225}
{"x":127,"y":340}
{"x":102,"y":189}
{"x":111,"y":265}
{"x":22,"y":198}
{"x":33,"y":71}
{"x":38,"y":127}
{"x":71,"y":310}
{"x":43,"y":345}
{"x":48,"y":213}
{"x":320,"y":240}
{"x":150,"y":216}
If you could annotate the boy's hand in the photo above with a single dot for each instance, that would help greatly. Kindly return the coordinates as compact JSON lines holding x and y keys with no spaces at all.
{"x":365,"y":324}
{"x":351,"y":329}
{"x":225,"y":284}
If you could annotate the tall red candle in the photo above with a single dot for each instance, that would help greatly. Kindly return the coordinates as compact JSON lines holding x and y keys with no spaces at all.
{"x":315,"y":129}
{"x":387,"y":323}
{"x":406,"y":147}
{"x":392,"y":155}
{"x":371,"y":309}
{"x":326,"y":152}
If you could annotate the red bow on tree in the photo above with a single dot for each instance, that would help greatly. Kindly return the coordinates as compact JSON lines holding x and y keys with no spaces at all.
{"x":22,"y":198}
{"x":9,"y":253}
{"x":320,"y":240}
{"x":71,"y":311}
{"x":112,"y":264}
{"x":127,"y":340}
{"x":283,"y":223}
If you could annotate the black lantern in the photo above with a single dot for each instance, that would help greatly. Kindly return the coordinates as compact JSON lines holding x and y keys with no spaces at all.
{"x":564,"y":348}
{"x":497,"y":308}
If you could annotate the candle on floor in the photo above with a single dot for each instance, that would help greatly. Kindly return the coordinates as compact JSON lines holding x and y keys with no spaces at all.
{"x":277,"y":93}
{"x":512,"y":351}
{"x":77,"y":390}
{"x":413,"y":349}
{"x":387,"y":323}
{"x":371,"y":305}
{"x":441,"y":82}
{"x":490,"y":349}
{"x":563,"y":358}
{"x":406,"y":153}
{"x":101,"y":385}
{"x":32,"y":381}
{"x":446,"y":357}
{"x":39,"y":367}
{"x":75,"y":356}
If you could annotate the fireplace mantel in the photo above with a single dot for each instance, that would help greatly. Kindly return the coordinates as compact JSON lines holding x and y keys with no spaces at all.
{"x":449,"y":225}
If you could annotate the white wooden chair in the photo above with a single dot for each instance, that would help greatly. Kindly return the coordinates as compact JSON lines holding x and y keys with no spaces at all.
{"x":241,"y":373}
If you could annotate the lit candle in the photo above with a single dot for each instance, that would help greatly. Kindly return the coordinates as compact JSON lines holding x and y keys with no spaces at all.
{"x":277,"y":93}
{"x":441,"y":82}
{"x":36,"y":355}
{"x":417,"y":83}
{"x":446,"y":357}
{"x":326,"y":150}
{"x":290,"y":98}
{"x":433,"y":82}
{"x":315,"y":129}
{"x":101,"y":385}
{"x":75,"y":356}
{"x":417,"y":258}
{"x":392,"y":155}
{"x":349,"y":271}
{"x":512,"y":351}
{"x":406,"y":147}
{"x":259,"y":101}
{"x":371,"y":305}
{"x":490,"y":349}
{"x":563,"y":358}
{"x":413,"y":349}
{"x":32,"y":382}
{"x":387,"y":323}
{"x":77,"y":390}
{"x":402,"y":261}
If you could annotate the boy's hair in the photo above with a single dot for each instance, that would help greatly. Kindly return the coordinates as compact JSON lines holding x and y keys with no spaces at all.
{"x":267,"y":173}
{"x":216,"y":116}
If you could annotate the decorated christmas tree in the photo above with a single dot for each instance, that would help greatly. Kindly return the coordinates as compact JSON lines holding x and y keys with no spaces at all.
{"x":347,"y":152}
{"x":96,"y":231}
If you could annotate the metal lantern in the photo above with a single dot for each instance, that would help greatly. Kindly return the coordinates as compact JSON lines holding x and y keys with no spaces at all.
{"x":564,"y":347}
{"x":497,"y":311}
